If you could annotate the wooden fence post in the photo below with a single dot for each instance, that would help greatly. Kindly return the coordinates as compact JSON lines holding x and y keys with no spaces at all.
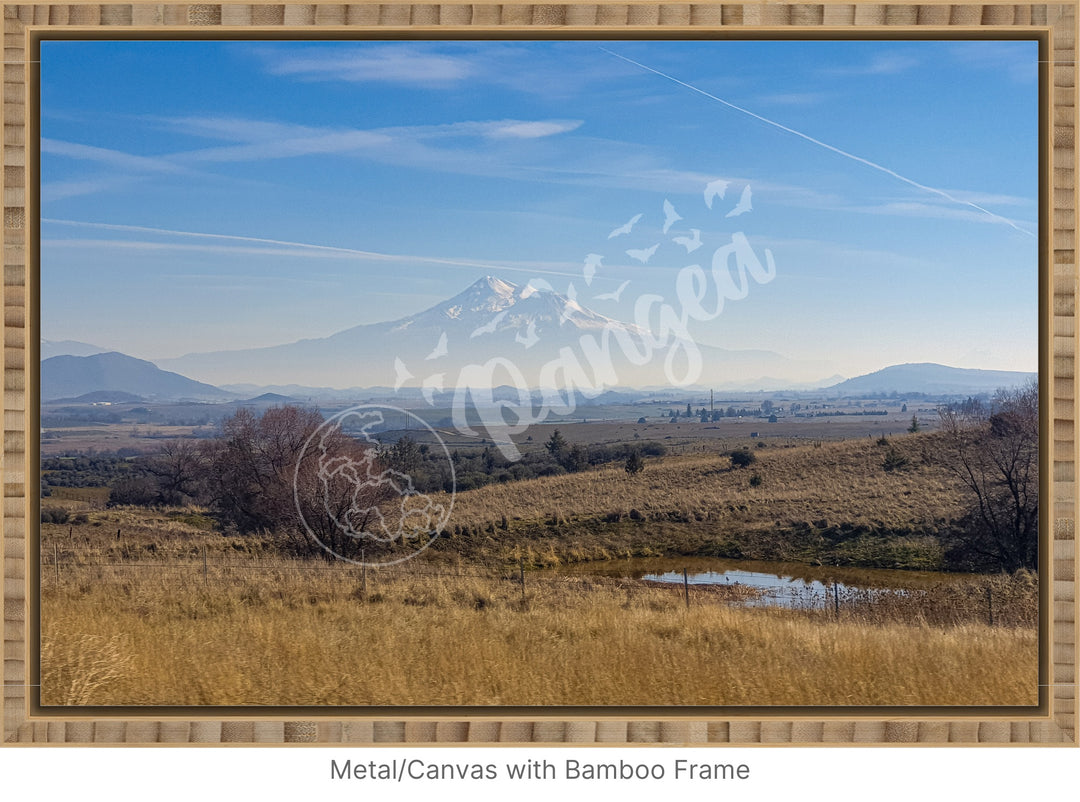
{"x":686,"y":587}
{"x":836,"y":599}
{"x":56,"y":564}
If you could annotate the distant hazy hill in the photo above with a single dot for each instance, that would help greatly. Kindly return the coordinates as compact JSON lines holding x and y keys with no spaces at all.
{"x":930,"y":378}
{"x":73,"y":376}
{"x":51,"y":348}
{"x":106,"y":397}
{"x":270,"y":399}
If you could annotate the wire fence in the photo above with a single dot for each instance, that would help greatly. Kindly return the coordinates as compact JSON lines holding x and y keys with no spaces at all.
{"x":996,"y":601}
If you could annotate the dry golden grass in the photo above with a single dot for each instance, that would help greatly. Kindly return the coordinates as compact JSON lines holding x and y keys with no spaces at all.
{"x":265,"y":630}
{"x":835,"y":481}
{"x":698,"y":504}
{"x":302,"y":633}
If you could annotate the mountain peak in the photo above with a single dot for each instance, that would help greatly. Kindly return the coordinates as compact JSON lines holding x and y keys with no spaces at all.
{"x":485,"y":295}
{"x":492,"y":286}
{"x":494,"y":283}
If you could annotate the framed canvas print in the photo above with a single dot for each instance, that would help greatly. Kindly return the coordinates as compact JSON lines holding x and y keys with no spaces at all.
{"x":539,"y":373}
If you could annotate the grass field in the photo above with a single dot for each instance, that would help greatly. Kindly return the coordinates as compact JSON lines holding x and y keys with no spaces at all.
{"x":135,"y":621}
{"x":294,"y":637}
{"x":130,"y":615}
{"x":825,"y":501}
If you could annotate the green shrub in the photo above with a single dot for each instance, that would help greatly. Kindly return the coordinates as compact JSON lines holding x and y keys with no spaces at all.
{"x":894,"y":461}
{"x":742,"y":459}
{"x":54,"y":515}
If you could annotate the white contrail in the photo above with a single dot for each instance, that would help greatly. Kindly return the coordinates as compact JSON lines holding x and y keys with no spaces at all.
{"x":389,"y":257}
{"x":825,"y":145}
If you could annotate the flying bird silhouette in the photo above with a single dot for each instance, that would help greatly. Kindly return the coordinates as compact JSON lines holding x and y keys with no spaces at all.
{"x":670,"y":216}
{"x":743,"y":206}
{"x":534,"y":286}
{"x":440,"y":349}
{"x":715,"y":189}
{"x":612,"y":296}
{"x":431,"y":385}
{"x":401,"y":373}
{"x":489,"y":327}
{"x":531,"y":338}
{"x":571,"y":305}
{"x":690,"y":243}
{"x":626,"y":228}
{"x":592,"y":261}
{"x":643,"y":256}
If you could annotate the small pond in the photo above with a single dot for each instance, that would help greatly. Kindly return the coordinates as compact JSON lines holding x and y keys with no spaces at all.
{"x":769,"y":583}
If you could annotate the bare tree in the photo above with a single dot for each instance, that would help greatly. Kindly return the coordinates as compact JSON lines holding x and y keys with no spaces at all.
{"x":178,"y":468}
{"x":285,"y":474}
{"x":994,"y":451}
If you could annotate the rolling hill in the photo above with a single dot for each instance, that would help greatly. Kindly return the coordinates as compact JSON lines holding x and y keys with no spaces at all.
{"x":931,"y":379}
{"x":113,"y":372}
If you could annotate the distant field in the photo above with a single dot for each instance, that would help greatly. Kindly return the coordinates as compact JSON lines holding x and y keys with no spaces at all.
{"x":683,"y":435}
{"x":90,"y":497}
{"x":107,"y":437}
{"x":685,"y":432}
{"x":602,"y":424}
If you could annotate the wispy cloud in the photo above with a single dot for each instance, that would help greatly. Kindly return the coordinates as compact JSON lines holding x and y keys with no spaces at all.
{"x":992,"y":198}
{"x":1017,"y":60}
{"x":941,"y":212}
{"x":331,"y":142}
{"x":371,"y":64}
{"x":112,"y":158}
{"x":832,"y":252}
{"x":259,"y":140}
{"x":59,"y":190}
{"x":880,"y":64}
{"x":232,"y":129}
{"x":512,"y":129}
{"x":124,"y":170}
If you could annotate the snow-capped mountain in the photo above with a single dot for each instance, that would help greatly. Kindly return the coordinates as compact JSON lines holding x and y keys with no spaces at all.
{"x":491,"y":305}
{"x":528,"y":329}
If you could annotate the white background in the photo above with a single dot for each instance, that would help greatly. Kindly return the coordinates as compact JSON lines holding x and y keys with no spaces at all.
{"x":290,"y":773}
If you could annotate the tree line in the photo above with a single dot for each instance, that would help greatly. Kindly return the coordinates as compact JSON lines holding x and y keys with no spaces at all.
{"x":255,"y":476}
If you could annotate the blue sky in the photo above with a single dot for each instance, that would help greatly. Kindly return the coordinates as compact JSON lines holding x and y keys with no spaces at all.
{"x":198,"y":196}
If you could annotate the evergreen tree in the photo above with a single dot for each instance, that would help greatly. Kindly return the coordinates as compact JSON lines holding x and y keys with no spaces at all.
{"x":556,"y":445}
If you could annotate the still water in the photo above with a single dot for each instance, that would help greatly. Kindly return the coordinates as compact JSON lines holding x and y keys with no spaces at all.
{"x":769,"y":583}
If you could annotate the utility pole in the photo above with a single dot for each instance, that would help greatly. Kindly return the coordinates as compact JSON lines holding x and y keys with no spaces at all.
{"x":710,"y":403}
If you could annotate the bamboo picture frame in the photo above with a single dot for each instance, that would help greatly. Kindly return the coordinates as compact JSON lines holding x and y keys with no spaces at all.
{"x":1052,"y":722}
